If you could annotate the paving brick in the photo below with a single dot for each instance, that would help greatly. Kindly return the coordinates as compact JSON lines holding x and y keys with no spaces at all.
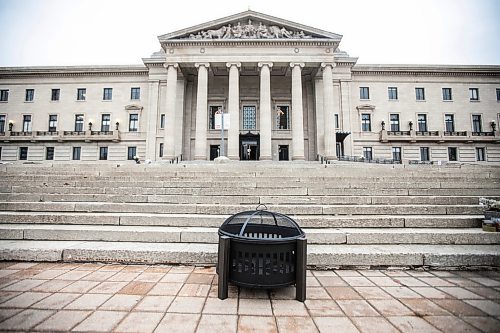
{"x":486,"y":281}
{"x":139,"y":322}
{"x":124,"y":276}
{"x":335,"y":324}
{"x":197,"y":290}
{"x":73,"y":275}
{"x":217,"y":306}
{"x":121,"y":302}
{"x":108,"y":287}
{"x":358,"y":281}
{"x":137,"y":288}
{"x":282,"y":293}
{"x":390,"y":307}
{"x":63,"y":321}
{"x":288,"y":308}
{"x":217,"y":323}
{"x":88,"y":302}
{"x":373,"y":325}
{"x":429,"y":292}
{"x":401,"y":292}
{"x":154,"y":303}
{"x":24,"y":285}
{"x":251,"y":324}
{"x":255,"y":307}
{"x":166,"y":289}
{"x":100,"y":321}
{"x":24,"y":300}
{"x":485,"y":324}
{"x":55,"y":301}
{"x":424,"y":307}
{"x":458,"y":307}
{"x":25,"y":320}
{"x":460,"y":293}
{"x":7,"y":313}
{"x":323,"y":308}
{"x":487,"y":306}
{"x":171,"y":277}
{"x":187,"y":305}
{"x":178,"y":323}
{"x":339,"y":293}
{"x":436,"y":282}
{"x":357,"y":308}
{"x":99,"y":276}
{"x":200,"y":278}
{"x":372,"y":293}
{"x":450,"y":324}
{"x":412,"y":325}
{"x":150,"y":277}
{"x":485,"y":292}
{"x":317,"y":293}
{"x":253,"y":293}
{"x":331,"y":281}
{"x":49,"y":274}
{"x":52,"y":286}
{"x":407,"y":281}
{"x":79,"y":287}
{"x":295,"y":325}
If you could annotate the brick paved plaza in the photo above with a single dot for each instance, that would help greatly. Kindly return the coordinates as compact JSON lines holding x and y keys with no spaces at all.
{"x":141,"y":298}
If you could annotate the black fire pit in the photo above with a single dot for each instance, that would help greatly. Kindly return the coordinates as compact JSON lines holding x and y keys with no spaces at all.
{"x":262,"y":249}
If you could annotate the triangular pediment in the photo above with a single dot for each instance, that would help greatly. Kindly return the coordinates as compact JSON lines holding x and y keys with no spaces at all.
{"x":250,"y":25}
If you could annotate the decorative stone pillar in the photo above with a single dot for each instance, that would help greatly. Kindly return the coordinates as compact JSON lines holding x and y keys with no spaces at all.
{"x":169,"y":139}
{"x":328,"y":111}
{"x":297,"y":113}
{"x":265,"y":111}
{"x":200,"y":144}
{"x":154,"y":88}
{"x":233,"y":140}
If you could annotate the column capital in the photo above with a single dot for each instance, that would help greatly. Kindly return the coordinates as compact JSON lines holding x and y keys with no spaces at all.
{"x":301,"y":64}
{"x":168,"y":64}
{"x":230,"y":64}
{"x":331,"y":64}
{"x":262,"y":64}
{"x":205,"y":64}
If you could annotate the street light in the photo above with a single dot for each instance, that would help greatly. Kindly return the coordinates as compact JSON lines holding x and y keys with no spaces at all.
{"x":493,"y":126}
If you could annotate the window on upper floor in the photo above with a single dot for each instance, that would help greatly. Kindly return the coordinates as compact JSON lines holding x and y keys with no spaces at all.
{"x":133,"y":123}
{"x":135,"y":93}
{"x":422,"y":122}
{"x":393,"y":93}
{"x":107,"y":94}
{"x":477,"y":123}
{"x":77,"y":151}
{"x":366,"y":122}
{"x":23,"y":153}
{"x":26,"y":123}
{"x":162,"y":120}
{"x":394,"y":120}
{"x":424,"y":154}
{"x":103,"y":153}
{"x":2,"y":123}
{"x":452,"y":154}
{"x":480,"y":154}
{"x":212,"y":111}
{"x":249,"y":117}
{"x":160,"y":153}
{"x":396,"y":154}
{"x":52,"y":123}
{"x":283,"y":117}
{"x":368,"y":153}
{"x":337,"y":124}
{"x":49,"y":153}
{"x":81,"y":94}
{"x":364,"y":93}
{"x":447,"y":94}
{"x":498,"y":95}
{"x":30,"y":95}
{"x":420,"y":94}
{"x":79,"y":123}
{"x":449,"y":123}
{"x":4,"y":95}
{"x":474,"y":94}
{"x":55,"y":94}
{"x":131,"y":153}
{"x":105,"y":122}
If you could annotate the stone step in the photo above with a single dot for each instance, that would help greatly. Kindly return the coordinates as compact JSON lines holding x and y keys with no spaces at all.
{"x":168,"y":208}
{"x":150,"y":234}
{"x":323,"y":256}
{"x":203,"y":220}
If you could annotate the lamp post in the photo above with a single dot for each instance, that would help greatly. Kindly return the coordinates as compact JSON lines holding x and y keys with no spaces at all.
{"x":410,"y":123}
{"x":11,"y":124}
{"x":117,"y":124}
{"x":90,"y":126}
{"x":493,"y":126}
{"x":383,"y":125}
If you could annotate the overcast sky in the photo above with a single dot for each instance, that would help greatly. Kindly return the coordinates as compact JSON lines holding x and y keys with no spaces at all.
{"x":115,"y":32}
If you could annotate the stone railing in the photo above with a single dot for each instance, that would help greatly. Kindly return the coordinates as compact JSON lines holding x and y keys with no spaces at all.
{"x":61,"y":136}
{"x":438,"y":136}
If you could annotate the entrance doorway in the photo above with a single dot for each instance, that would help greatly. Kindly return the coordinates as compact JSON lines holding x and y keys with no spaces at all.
{"x":249,"y":147}
{"x":214,"y":152}
{"x":283,"y":152}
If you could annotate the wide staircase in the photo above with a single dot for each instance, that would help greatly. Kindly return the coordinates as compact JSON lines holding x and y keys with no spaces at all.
{"x":354,"y":214}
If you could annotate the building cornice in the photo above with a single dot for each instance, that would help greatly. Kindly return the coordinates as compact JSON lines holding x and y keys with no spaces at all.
{"x":251,"y":42}
{"x":73,"y":71}
{"x":426,"y":70}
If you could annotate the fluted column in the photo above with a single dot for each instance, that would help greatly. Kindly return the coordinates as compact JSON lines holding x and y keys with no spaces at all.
{"x":154,"y":87}
{"x":169,"y":142}
{"x":297,"y":113}
{"x":200,"y":144}
{"x":233,"y":140}
{"x":265,"y":111}
{"x":328,"y":109}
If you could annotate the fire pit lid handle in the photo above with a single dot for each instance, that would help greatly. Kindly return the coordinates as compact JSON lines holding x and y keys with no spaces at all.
{"x":265,"y":207}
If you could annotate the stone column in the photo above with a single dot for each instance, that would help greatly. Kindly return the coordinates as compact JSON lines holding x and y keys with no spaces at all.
{"x":233,"y":136}
{"x":200,"y":144}
{"x":168,"y":142}
{"x":328,"y":111}
{"x":154,"y":96}
{"x":297,"y":113}
{"x":265,"y":111}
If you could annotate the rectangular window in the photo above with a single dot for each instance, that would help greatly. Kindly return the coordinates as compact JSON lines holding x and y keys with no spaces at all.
{"x":449,"y":123}
{"x":162,"y":121}
{"x":30,"y":95}
{"x":81,"y":94}
{"x":161,"y":150}
{"x":79,"y":123}
{"x":4,"y":95}
{"x":213,"y":109}
{"x":422,"y":122}
{"x":105,"y":122}
{"x":480,"y":154}
{"x":52,"y":123}
{"x":107,"y":94}
{"x":396,"y":154}
{"x":77,"y":151}
{"x":103,"y":153}
{"x":447,"y":94}
{"x":0,"y":153}
{"x":131,"y":153}
{"x":337,"y":125}
{"x":366,"y":122}
{"x":367,"y":153}
{"x":54,"y":96}
{"x":49,"y":153}
{"x":133,"y":124}
{"x":2,"y":123}
{"x":23,"y":153}
{"x":27,"y":123}
{"x":249,"y":117}
{"x":282,"y":117}
{"x":474,"y":94}
{"x":424,"y":154}
{"x":393,"y":93}
{"x":420,"y":94}
{"x":394,"y":119}
{"x":498,"y":95}
{"x":452,"y":154}
{"x":135,"y":93}
{"x":477,"y":124}
{"x":364,"y":93}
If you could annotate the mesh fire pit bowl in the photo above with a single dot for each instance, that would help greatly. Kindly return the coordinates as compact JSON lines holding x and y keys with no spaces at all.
{"x":262,"y":249}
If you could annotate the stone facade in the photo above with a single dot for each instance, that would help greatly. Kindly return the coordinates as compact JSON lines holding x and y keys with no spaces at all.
{"x":286,"y":89}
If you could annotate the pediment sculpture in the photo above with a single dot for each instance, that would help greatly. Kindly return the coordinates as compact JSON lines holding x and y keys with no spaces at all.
{"x":249,"y":31}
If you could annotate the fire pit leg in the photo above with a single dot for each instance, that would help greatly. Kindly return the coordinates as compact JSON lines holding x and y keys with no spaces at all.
{"x":224,"y":245}
{"x":300,"y":270}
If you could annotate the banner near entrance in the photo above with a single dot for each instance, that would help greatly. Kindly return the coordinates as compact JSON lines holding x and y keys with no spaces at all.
{"x":218,"y":121}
